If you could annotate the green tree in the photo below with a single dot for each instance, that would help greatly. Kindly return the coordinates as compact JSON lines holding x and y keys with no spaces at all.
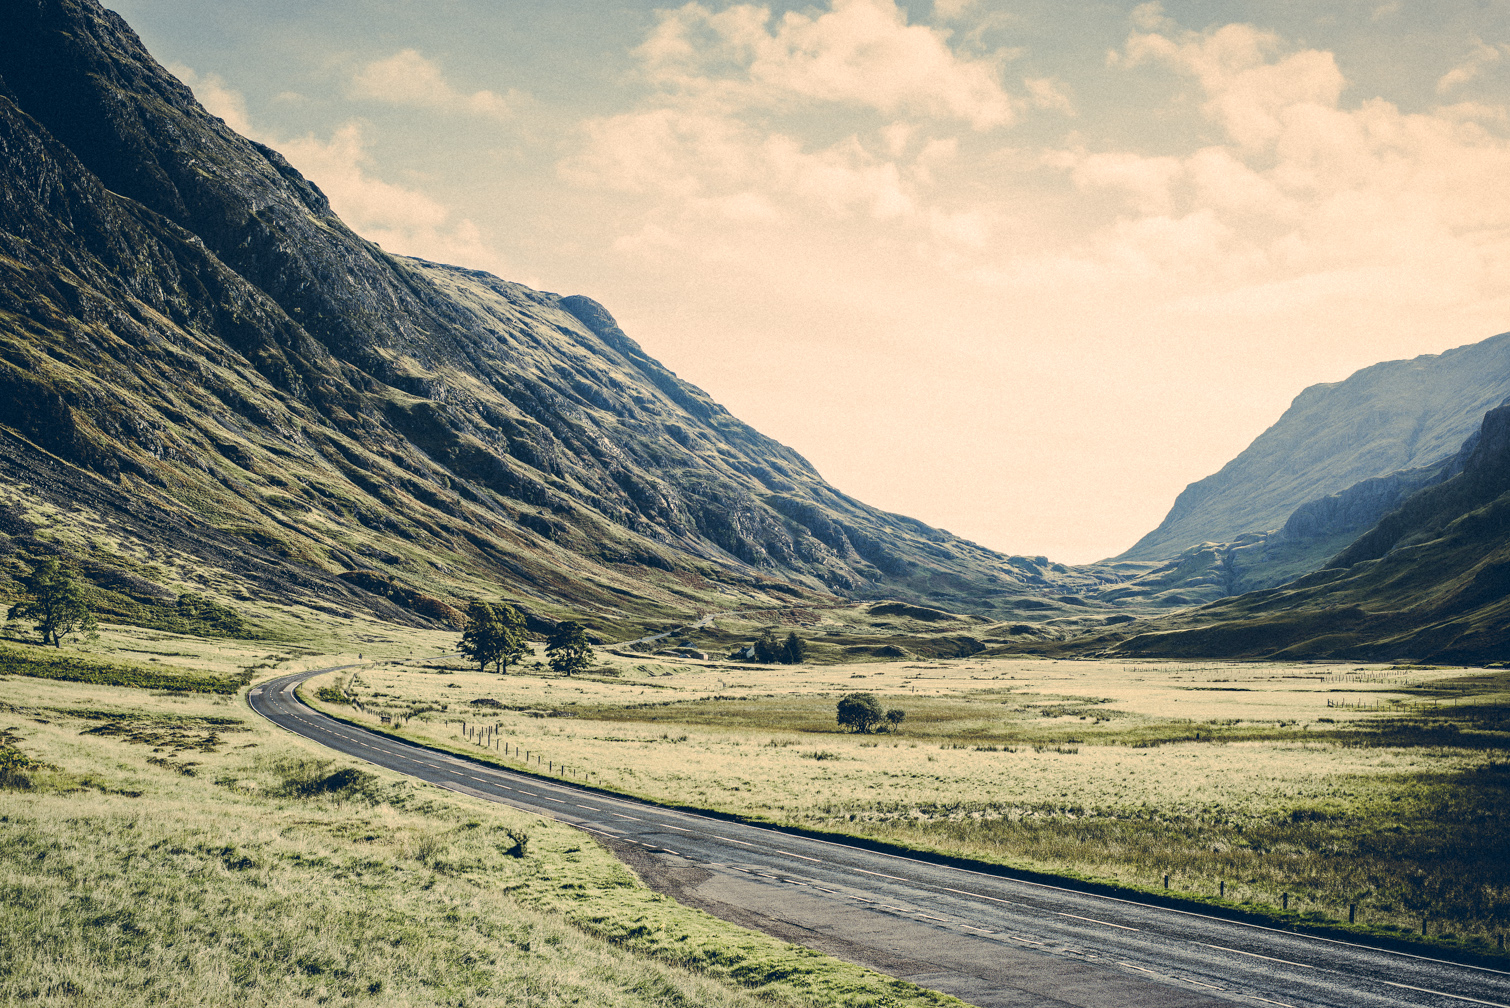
{"x":767,"y":650}
{"x":56,"y":600}
{"x":793,"y":649}
{"x":895,"y":717}
{"x":567,"y":650}
{"x":860,"y":711}
{"x":483,"y":636}
{"x":515,"y":645}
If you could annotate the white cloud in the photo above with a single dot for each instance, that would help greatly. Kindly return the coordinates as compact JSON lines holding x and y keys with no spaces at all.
{"x":1481,"y":56}
{"x":408,"y":78}
{"x":859,"y":53}
{"x":400,"y":219}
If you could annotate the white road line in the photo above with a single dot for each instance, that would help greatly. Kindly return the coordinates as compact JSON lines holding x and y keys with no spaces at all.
{"x":862,"y":871}
{"x":1459,"y":997}
{"x":993,"y":899}
{"x":730,"y":840}
{"x":790,"y":854}
{"x":1255,"y":955}
{"x":590,"y":808}
{"x":611,"y":813}
{"x":1093,"y":920}
{"x":681,"y":828}
{"x":1255,"y":997}
{"x":1199,"y":984}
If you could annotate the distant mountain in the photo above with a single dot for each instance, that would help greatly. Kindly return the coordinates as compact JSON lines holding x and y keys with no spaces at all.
{"x":198,"y":355}
{"x":1430,"y":581}
{"x":1394,"y":423}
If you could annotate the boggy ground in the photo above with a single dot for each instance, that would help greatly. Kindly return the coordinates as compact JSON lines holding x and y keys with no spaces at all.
{"x":168,"y":847}
{"x":1243,"y":782}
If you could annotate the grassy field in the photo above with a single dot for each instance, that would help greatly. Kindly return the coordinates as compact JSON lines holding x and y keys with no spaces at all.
{"x":171,"y":848}
{"x":1256,"y":785}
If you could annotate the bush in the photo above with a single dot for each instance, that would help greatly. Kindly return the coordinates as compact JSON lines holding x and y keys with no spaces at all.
{"x":859,"y":711}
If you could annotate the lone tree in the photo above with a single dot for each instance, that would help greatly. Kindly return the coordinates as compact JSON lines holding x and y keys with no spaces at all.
{"x":58,"y":602}
{"x":895,"y":717}
{"x":860,"y":711}
{"x":793,"y":649}
{"x":567,"y":650}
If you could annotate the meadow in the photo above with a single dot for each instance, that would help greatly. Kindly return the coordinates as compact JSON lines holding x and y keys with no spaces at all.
{"x":167,"y":846}
{"x":1303,"y":791}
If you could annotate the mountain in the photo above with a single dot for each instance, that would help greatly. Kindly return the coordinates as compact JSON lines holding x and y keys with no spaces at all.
{"x":1430,"y":581}
{"x":199,"y":359}
{"x":1397,"y":422}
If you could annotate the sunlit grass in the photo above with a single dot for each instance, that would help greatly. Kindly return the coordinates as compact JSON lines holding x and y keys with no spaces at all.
{"x":178,"y":850}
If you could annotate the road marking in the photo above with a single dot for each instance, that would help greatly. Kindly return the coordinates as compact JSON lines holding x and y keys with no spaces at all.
{"x":982,"y":930}
{"x":1093,"y":920}
{"x":669,"y":826}
{"x":530,"y":793}
{"x":732,"y":840}
{"x":1459,"y":997}
{"x":790,"y":854}
{"x":1255,"y":955}
{"x":862,"y":871}
{"x":611,"y":813}
{"x":590,"y":808}
{"x":1199,"y":984}
{"x":983,"y":896}
{"x":1267,"y":1001}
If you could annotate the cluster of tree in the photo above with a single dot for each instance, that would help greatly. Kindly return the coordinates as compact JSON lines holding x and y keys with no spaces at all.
{"x":495,"y":635}
{"x":56,"y":598}
{"x":792,"y":651}
{"x":863,"y":713}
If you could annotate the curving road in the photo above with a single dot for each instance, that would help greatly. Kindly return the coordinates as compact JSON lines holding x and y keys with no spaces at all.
{"x":994,"y":942}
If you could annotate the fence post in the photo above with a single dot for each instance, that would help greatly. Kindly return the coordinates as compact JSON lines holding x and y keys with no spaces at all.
{"x":1285,"y":900}
{"x":1166,"y":880}
{"x":1352,"y":913}
{"x":1221,"y":890}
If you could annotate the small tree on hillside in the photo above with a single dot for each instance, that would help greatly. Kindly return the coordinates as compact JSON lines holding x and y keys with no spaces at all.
{"x":483,"y":636}
{"x":568,"y":650}
{"x":860,"y":711}
{"x":793,"y":649}
{"x":57,"y":601}
{"x":895,"y":717}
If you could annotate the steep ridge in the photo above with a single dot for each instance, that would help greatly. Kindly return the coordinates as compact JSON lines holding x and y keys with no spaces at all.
{"x":186,"y":324}
{"x":1430,"y":581}
{"x":1380,"y":423}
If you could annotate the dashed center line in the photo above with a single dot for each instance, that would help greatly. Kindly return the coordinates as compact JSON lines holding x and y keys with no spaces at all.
{"x":1255,"y":955}
{"x":1459,"y":997}
{"x":1093,"y":920}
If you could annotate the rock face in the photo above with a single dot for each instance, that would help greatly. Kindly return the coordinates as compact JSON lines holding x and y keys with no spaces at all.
{"x":1398,"y":422}
{"x":190,"y":339}
{"x":1430,"y":581}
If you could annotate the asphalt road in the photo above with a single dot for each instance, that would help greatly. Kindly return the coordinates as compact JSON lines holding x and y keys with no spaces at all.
{"x":991,"y":941}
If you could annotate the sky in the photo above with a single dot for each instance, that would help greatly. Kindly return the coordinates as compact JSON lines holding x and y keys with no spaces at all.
{"x":1022,"y":270}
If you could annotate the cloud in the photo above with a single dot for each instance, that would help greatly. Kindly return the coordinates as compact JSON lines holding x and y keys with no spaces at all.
{"x":1481,"y":56}
{"x":859,"y":53}
{"x":408,"y":78}
{"x":400,"y":219}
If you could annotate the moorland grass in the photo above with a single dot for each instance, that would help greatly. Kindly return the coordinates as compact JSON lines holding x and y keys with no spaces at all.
{"x":177,"y":850}
{"x":1239,"y":782}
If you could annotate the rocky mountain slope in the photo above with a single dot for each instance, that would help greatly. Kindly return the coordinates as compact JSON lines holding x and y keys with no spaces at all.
{"x":196,"y":351}
{"x":1431,"y":581}
{"x":1340,"y":457}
